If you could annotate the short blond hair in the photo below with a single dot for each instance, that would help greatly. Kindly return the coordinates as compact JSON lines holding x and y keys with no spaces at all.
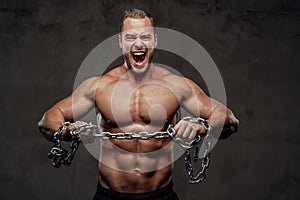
{"x":137,"y":14}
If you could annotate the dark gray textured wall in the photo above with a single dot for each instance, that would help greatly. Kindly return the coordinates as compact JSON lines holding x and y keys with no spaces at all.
{"x":254,"y":43}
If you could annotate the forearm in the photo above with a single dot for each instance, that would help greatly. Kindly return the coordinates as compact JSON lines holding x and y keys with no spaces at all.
{"x":50,"y":122}
{"x":223,"y":121}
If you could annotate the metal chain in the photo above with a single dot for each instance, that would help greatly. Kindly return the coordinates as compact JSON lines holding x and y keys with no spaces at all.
{"x":60,"y":156}
{"x":200,"y":176}
{"x":130,"y":136}
{"x":184,"y":144}
{"x":194,"y":145}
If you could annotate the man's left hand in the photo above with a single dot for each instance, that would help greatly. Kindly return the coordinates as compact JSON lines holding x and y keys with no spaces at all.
{"x":188,"y":130}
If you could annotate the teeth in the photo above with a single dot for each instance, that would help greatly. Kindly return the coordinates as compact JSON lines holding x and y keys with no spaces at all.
{"x":139,"y":53}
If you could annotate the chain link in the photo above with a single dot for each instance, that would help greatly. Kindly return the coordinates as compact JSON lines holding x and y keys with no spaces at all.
{"x":194,"y":145}
{"x":130,"y":136}
{"x":200,"y":176}
{"x":60,"y":156}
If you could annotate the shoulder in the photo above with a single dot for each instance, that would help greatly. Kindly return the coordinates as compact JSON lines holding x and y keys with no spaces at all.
{"x":111,"y":76}
{"x":115,"y":73}
{"x":169,"y":77}
{"x":88,"y":83}
{"x":180,"y":84}
{"x":87,"y":87}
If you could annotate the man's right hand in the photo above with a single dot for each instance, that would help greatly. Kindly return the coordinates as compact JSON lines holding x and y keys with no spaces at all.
{"x":85,"y":136}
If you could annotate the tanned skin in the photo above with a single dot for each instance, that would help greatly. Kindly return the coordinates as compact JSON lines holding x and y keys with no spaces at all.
{"x":138,"y":97}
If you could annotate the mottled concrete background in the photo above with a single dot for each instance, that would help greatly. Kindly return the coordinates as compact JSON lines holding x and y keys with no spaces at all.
{"x":254,"y":43}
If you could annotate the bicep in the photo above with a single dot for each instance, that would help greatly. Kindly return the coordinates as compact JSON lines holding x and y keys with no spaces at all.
{"x":197,"y":102}
{"x":79,"y":103}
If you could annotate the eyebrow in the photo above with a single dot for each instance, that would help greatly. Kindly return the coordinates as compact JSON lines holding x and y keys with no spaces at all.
{"x":134,"y":34}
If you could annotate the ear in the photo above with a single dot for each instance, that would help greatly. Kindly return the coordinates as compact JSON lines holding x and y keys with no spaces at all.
{"x":120,"y":40}
{"x":156,"y":40}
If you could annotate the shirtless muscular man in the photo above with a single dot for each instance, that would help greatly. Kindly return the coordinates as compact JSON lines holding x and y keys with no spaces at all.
{"x":138,"y":96}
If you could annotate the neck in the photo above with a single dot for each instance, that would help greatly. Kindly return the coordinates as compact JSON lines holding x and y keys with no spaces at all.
{"x":139,"y":77}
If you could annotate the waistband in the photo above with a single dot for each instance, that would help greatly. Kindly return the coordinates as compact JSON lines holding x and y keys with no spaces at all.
{"x":164,"y":191}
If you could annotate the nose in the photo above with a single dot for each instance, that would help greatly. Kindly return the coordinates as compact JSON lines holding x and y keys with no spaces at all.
{"x":138,"y":44}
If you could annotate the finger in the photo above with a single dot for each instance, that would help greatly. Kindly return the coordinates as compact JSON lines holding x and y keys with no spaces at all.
{"x":202,"y":130}
{"x":79,"y":123}
{"x":90,"y":136}
{"x":181,"y":129}
{"x":87,"y":136}
{"x":81,"y":137}
{"x":192,"y":134}
{"x":187,"y":132}
{"x":176,"y":127}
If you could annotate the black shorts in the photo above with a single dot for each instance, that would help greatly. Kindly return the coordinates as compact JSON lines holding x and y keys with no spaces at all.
{"x":165,"y":193}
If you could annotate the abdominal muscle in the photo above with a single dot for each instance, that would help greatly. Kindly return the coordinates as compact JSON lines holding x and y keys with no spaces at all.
{"x":135,"y":166}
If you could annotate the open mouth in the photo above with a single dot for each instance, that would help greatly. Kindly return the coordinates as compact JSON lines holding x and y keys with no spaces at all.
{"x":138,"y":56}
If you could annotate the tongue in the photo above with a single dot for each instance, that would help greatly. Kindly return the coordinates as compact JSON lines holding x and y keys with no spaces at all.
{"x":139,"y":58}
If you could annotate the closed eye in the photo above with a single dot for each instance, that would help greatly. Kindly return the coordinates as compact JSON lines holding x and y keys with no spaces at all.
{"x":130,"y":37}
{"x":146,"y":37}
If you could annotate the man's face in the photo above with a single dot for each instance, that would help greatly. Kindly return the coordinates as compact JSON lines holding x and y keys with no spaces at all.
{"x":138,"y":41}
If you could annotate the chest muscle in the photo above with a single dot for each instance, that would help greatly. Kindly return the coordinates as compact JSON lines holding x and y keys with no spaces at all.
{"x":149,"y":104}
